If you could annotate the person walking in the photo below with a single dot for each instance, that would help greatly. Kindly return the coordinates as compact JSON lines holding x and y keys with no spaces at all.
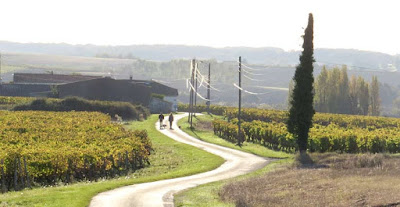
{"x":170,"y":119}
{"x":161,"y":118}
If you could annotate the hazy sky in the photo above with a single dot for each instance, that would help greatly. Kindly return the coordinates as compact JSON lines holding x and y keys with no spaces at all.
{"x":357,"y":24}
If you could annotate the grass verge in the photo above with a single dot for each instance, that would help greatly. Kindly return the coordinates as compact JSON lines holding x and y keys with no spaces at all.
{"x":208,"y":194}
{"x":203,"y":130}
{"x":170,"y":159}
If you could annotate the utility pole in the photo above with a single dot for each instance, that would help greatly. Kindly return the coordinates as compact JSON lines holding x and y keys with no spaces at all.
{"x":240,"y":101}
{"x":192,"y":83}
{"x":195,"y":97}
{"x":191,"y":89}
{"x":208,"y":89}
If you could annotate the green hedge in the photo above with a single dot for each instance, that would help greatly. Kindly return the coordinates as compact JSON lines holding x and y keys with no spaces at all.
{"x":217,"y":110}
{"x":122,"y":109}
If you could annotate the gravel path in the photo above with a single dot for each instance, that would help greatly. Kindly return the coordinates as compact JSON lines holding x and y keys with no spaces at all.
{"x":160,"y":193}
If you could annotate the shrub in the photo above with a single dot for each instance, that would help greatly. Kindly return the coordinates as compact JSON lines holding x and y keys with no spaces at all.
{"x":123,"y":109}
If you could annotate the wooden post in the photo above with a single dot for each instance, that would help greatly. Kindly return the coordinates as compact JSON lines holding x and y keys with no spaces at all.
{"x":113,"y":166}
{"x":85,"y":171}
{"x":21,"y":172}
{"x":127,"y":167}
{"x":3,"y":178}
{"x":68,"y":174}
{"x":119,"y":160}
{"x":103,"y":169}
{"x":15,"y":174}
{"x":28,"y":182}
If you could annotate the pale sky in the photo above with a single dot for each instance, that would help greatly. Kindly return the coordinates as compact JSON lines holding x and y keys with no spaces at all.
{"x":355,"y":24}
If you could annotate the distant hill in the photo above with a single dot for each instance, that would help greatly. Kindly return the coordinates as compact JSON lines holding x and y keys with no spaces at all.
{"x":169,"y":64}
{"x":361,"y":60}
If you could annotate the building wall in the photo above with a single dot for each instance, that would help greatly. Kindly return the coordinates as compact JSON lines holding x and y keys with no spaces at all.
{"x":23,"y":89}
{"x":173,"y":100}
{"x":107,"y":89}
{"x":158,"y":105}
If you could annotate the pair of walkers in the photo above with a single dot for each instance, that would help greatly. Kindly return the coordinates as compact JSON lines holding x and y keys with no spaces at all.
{"x":161,"y":119}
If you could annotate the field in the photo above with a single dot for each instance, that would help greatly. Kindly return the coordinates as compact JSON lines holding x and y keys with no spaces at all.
{"x":331,"y":180}
{"x":43,"y":148}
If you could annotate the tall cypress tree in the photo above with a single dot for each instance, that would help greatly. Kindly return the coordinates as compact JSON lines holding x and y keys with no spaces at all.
{"x":301,"y":104}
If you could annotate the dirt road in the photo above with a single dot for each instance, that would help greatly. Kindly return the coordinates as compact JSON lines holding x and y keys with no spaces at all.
{"x":160,"y":193}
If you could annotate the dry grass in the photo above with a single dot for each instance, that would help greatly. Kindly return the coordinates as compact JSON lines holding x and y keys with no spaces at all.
{"x":328,"y":180}
{"x":204,"y":125}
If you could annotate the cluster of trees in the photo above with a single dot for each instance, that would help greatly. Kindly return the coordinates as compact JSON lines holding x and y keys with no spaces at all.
{"x":117,"y":56}
{"x":336,"y":93}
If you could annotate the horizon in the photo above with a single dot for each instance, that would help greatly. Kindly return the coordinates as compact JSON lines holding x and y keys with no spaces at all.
{"x":360,"y":25}
{"x":214,"y":47}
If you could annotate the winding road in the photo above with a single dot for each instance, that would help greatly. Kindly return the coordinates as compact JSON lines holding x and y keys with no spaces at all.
{"x":160,"y":193}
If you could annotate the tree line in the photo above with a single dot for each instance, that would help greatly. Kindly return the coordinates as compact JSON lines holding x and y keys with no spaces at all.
{"x":336,"y":93}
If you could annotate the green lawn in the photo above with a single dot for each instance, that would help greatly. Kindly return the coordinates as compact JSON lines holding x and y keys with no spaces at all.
{"x":207,"y":195}
{"x":170,"y":159}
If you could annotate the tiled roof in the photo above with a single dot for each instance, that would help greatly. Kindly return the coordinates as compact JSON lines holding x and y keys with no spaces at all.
{"x":155,"y":87}
{"x":44,"y":78}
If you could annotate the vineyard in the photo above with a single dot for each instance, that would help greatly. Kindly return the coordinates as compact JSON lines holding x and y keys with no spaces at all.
{"x":44,"y":148}
{"x":330,"y":132}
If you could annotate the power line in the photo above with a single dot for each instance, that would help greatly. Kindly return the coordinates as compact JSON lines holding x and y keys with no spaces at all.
{"x":251,"y":73}
{"x":249,"y":92}
{"x":272,"y":88}
{"x":192,"y":88}
{"x":169,"y":81}
{"x":251,"y":78}
{"x":208,"y":84}
{"x":254,"y":69}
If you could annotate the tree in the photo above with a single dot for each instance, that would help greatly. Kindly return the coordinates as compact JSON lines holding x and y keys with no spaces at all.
{"x":363,"y":97}
{"x":344,"y":96}
{"x":375,"y":102}
{"x":321,"y":91}
{"x":333,"y":90}
{"x":301,"y":104}
{"x":354,"y":109}
{"x":396,"y":107}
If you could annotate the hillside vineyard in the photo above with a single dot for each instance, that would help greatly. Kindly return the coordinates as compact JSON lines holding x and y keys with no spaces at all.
{"x":330,"y":132}
{"x":44,"y":148}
